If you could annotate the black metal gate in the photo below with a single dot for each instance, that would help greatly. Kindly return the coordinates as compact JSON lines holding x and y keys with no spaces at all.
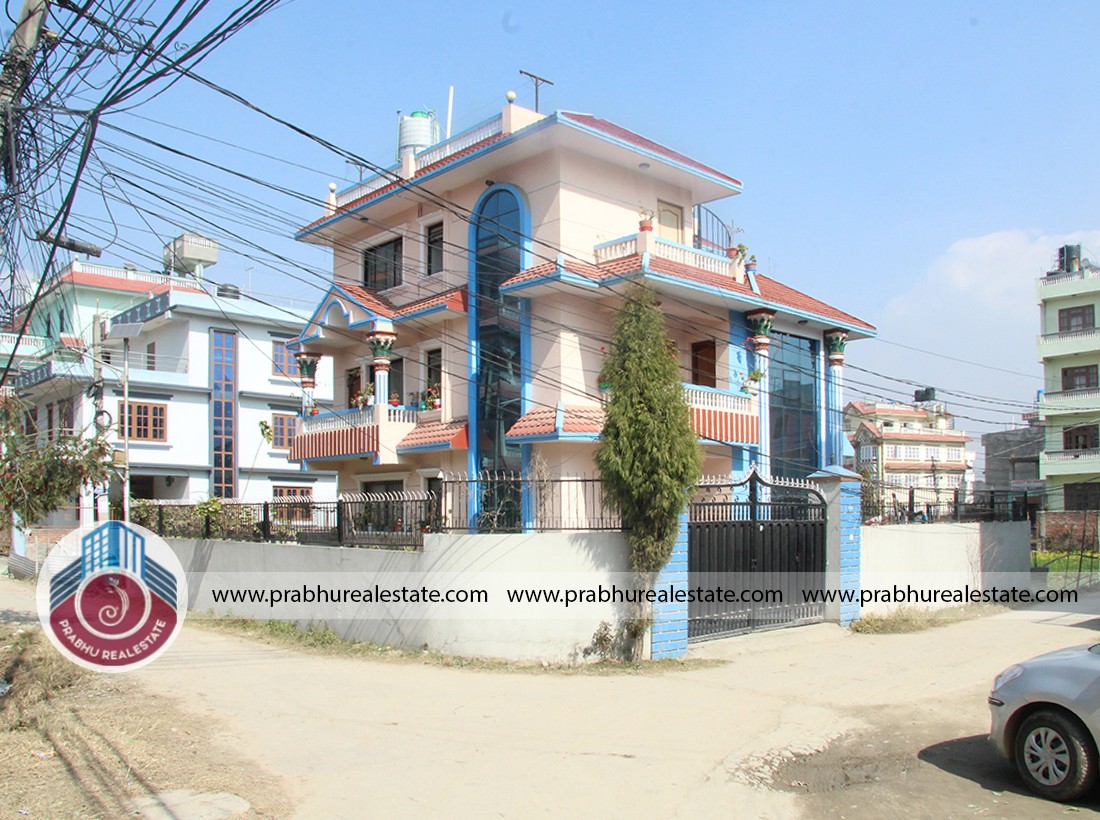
{"x":755,"y":548}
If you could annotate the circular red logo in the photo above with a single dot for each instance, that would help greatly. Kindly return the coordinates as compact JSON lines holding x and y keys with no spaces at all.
{"x":112,"y":597}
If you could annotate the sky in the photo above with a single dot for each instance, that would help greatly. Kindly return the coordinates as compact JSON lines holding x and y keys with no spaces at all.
{"x":917,"y":165}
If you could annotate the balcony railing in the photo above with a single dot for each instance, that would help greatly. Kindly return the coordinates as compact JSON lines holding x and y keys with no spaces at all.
{"x":336,"y":420}
{"x":28,"y":345}
{"x":1069,"y":276}
{"x":1055,"y":396}
{"x":710,"y":398}
{"x":159,"y":362}
{"x":672,"y":251}
{"x":1054,"y":456}
{"x":721,"y":415}
{"x":427,"y":157}
{"x":1070,"y":335}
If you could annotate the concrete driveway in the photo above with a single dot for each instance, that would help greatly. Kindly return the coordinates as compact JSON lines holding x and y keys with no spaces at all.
{"x":806,"y":722}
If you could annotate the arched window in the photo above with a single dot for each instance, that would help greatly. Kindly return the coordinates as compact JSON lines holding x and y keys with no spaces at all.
{"x":498,"y":246}
{"x":497,"y":243}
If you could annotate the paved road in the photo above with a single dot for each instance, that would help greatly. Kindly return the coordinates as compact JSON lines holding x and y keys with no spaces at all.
{"x":805,"y":722}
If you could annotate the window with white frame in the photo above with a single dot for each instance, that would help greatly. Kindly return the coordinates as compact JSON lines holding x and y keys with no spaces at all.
{"x":382,"y":265}
{"x":433,"y":249}
{"x":954,"y":454}
{"x":911,"y":452}
{"x":868,"y":452}
{"x":891,"y":451}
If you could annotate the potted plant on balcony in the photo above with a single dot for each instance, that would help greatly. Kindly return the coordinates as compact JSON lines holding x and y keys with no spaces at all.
{"x":752,"y":381}
{"x":395,"y":399}
{"x":364,"y":398}
{"x":433,"y":397}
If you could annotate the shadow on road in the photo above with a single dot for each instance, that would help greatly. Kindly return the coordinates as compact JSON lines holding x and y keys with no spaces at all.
{"x":14,"y":616}
{"x":972,"y":758}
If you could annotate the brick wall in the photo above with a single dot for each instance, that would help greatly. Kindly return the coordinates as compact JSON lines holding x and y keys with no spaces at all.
{"x":1069,"y":530}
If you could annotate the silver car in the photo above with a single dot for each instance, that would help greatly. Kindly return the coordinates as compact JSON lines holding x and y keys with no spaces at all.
{"x":1046,"y":718}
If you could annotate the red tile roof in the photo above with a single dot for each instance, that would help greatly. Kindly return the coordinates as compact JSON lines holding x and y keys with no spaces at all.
{"x":71,"y":341}
{"x":770,"y":290}
{"x":368,"y":299}
{"x":638,"y":141}
{"x":454,"y":299}
{"x":869,"y":428}
{"x":379,"y":305}
{"x":454,"y":433}
{"x":542,"y":421}
{"x":606,"y":270}
{"x":871,"y":409}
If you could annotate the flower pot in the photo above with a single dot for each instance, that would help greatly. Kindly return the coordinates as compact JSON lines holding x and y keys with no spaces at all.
{"x":437,"y":404}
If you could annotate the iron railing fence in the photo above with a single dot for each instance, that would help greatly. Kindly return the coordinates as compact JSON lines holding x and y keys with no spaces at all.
{"x":918,"y":505}
{"x":511,"y":502}
{"x":395,"y":520}
{"x":757,"y":499}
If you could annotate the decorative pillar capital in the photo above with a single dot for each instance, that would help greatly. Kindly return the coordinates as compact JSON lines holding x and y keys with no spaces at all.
{"x":760,"y":328}
{"x":835,"y":340}
{"x":381,"y":347}
{"x":307,"y":366}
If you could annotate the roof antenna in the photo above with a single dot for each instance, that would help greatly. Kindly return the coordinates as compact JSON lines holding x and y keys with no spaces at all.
{"x":537,"y":80}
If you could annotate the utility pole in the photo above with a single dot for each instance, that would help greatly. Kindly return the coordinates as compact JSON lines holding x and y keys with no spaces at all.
{"x":13,"y":78}
{"x":127,"y":417}
{"x":97,"y":399}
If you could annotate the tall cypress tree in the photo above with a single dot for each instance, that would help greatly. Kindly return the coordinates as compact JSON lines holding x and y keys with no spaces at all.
{"x":648,"y":457}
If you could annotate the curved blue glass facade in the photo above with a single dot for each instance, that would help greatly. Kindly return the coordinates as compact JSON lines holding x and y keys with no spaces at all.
{"x":498,"y":255}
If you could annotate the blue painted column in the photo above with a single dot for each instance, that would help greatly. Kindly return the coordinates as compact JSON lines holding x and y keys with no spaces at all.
{"x":834,"y":397}
{"x":740,"y":457}
{"x":738,"y":351}
{"x":669,"y":633}
{"x":843,"y":495}
{"x":760,"y":326}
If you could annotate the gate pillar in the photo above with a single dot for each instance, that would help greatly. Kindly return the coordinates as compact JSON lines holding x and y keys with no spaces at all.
{"x":669,"y":633}
{"x":842,"y":490}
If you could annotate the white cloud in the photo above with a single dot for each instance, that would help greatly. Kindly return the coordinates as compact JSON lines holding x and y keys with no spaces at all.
{"x":977,"y":303}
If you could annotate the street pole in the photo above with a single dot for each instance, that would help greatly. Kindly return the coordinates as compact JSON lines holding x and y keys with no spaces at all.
{"x":127,"y":417}
{"x":97,"y":401}
{"x":13,"y":79}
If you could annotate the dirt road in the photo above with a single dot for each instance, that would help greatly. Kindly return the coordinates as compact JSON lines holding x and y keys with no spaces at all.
{"x":807,"y":722}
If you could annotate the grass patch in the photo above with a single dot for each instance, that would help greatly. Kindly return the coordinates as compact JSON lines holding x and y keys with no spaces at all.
{"x":36,"y":671}
{"x":321,"y":639}
{"x":1065,"y":561}
{"x":914,"y":619}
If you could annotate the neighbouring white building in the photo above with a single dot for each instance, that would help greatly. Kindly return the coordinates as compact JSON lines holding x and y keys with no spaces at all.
{"x":214,"y":393}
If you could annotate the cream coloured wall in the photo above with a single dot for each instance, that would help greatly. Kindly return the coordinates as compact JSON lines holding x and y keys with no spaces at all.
{"x":600,"y":202}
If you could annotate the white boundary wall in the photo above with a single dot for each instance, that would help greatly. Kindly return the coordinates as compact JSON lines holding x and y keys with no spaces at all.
{"x":470,"y":561}
{"x":943,"y":556}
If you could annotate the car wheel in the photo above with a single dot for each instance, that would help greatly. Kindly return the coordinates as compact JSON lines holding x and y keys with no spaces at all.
{"x":1054,"y":756}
